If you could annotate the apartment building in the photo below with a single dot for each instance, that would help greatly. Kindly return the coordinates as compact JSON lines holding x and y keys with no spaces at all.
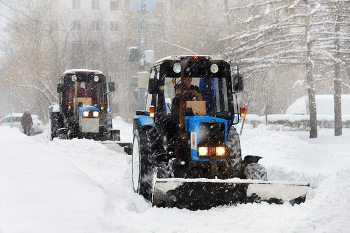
{"x":97,"y":34}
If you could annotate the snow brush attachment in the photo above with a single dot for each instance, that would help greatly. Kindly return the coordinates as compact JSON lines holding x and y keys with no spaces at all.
{"x":201,"y":194}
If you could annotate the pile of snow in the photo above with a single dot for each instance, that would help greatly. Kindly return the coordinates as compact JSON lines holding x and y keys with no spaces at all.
{"x":124,"y":127}
{"x":82,"y":186}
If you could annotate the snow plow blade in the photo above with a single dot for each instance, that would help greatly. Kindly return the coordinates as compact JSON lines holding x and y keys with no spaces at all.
{"x":201,"y":193}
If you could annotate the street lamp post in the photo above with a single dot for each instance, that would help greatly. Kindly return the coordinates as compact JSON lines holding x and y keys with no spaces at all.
{"x":11,"y":98}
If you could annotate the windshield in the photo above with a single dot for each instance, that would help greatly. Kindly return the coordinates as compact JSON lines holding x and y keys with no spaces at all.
{"x":89,"y":90}
{"x":209,"y":94}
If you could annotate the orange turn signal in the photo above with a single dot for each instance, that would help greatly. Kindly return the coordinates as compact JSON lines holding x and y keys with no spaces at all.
{"x":242,"y":112}
{"x":69,"y":105}
{"x":151,"y":111}
{"x":102,"y":106}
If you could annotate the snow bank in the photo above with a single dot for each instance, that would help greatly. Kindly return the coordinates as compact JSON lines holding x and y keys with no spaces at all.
{"x":82,"y":186}
{"x":124,"y":127}
{"x":43,"y":192}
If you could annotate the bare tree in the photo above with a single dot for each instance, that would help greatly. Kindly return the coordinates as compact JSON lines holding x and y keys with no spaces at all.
{"x":34,"y":54}
{"x":289,"y":34}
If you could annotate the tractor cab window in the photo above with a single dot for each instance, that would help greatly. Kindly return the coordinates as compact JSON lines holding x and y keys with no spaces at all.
{"x":86,"y":91}
{"x":207,"y":96}
{"x":81,"y":90}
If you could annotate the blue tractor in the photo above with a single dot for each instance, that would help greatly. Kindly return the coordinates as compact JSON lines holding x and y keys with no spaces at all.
{"x":84,"y":109}
{"x":186,"y":151}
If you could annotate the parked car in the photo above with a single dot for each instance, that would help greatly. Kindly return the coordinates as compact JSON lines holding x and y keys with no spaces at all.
{"x":38,"y":126}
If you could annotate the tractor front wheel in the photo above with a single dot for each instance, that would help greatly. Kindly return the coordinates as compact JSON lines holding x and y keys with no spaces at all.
{"x":255,"y":171}
{"x":55,"y":122}
{"x":142,"y":168}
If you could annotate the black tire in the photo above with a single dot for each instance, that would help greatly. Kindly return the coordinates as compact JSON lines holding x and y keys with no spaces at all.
{"x":55,"y":122}
{"x":143,"y":170}
{"x":255,"y":171}
{"x":107,"y":126}
{"x":234,"y":145}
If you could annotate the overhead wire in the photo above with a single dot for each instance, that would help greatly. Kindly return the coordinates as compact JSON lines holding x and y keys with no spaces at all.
{"x":22,"y":13}
{"x":16,"y":23}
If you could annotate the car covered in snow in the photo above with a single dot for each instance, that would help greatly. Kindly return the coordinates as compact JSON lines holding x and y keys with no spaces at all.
{"x":37,"y":127}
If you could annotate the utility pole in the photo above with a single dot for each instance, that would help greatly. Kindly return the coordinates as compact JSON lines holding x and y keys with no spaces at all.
{"x":141,"y":45}
{"x":139,"y":54}
{"x":11,"y":97}
{"x":141,"y":40}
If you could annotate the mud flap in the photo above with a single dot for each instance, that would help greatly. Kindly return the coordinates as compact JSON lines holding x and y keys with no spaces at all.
{"x":197,"y":194}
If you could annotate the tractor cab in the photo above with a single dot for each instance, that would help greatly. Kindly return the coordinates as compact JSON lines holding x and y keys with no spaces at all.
{"x":206,"y":76}
{"x":84,"y":102}
{"x":83,"y":88}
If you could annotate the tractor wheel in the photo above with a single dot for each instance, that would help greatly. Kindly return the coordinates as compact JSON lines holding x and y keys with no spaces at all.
{"x":255,"y":171}
{"x":144,"y":146}
{"x":54,"y":124}
{"x":108,"y":126}
{"x":234,"y":145}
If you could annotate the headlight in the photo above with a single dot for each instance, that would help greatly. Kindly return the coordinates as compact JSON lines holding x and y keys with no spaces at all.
{"x":85,"y":113}
{"x":214,"y":68}
{"x":220,"y":151}
{"x":177,"y":68}
{"x":203,"y":151}
{"x":95,"y":113}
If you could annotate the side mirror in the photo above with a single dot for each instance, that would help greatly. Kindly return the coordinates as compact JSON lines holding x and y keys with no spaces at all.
{"x":237,"y":83}
{"x":111,"y":86}
{"x":60,"y":88}
{"x":152,"y":86}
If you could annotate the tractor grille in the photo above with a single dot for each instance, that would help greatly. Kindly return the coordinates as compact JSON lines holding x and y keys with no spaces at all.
{"x":212,"y":134}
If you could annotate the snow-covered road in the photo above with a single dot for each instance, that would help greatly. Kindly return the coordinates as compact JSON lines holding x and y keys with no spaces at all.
{"x":85,"y":186}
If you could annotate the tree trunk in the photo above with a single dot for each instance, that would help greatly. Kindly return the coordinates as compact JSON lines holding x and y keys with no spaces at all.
{"x":312,"y":101}
{"x":310,"y":78}
{"x":337,"y":85}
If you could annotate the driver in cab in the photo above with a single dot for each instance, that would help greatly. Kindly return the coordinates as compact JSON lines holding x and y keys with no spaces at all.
{"x":191,"y":93}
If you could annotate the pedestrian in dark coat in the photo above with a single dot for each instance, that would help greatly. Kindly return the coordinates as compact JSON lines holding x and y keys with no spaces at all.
{"x":26,"y":122}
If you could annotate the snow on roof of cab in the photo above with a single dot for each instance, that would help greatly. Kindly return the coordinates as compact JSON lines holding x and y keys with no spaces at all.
{"x":177,"y":57}
{"x":74,"y":71}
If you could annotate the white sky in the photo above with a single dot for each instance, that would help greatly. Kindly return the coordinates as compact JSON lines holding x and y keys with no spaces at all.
{"x":4,"y":11}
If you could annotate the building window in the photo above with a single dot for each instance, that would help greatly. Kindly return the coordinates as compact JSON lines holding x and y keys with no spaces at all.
{"x":114,"y":26}
{"x":76,"y":5}
{"x":96,"y":26}
{"x":76,"y":25}
{"x":114,"y":5}
{"x":95,"y":5}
